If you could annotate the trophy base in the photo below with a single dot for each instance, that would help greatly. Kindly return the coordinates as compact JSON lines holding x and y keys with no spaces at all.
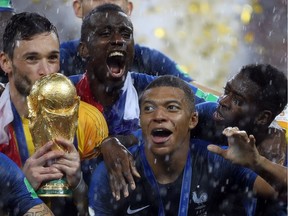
{"x":55,"y":188}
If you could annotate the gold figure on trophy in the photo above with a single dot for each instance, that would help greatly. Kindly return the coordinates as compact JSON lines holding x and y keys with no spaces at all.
{"x":53,"y":112}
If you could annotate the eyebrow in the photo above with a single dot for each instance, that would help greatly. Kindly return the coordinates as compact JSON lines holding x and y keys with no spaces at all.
{"x":164,"y":102}
{"x":37,"y":53}
{"x":228,"y":85}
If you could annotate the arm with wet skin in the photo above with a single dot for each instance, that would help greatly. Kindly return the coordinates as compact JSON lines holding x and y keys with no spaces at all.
{"x":120,"y":165}
{"x":272,"y":178}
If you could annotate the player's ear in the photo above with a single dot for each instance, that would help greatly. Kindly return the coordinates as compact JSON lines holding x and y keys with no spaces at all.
{"x":83,"y":50}
{"x":77,"y":6}
{"x":5,"y":63}
{"x":130,"y":8}
{"x":264,"y":118}
{"x":193,"y":120}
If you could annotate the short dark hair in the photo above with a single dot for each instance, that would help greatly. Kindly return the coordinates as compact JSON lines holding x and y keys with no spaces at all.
{"x":272,"y":84}
{"x":23,"y":26}
{"x":176,"y":82}
{"x":88,"y":23}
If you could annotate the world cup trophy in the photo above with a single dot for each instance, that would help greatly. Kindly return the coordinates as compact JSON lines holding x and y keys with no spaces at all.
{"x":53,"y":112}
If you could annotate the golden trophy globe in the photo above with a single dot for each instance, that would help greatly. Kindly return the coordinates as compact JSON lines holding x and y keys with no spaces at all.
{"x":53,"y":112}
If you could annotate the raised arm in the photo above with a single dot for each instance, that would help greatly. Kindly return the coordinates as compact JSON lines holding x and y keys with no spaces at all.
{"x":272,"y":179}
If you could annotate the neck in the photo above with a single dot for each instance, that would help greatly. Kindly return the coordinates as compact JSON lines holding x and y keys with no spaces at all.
{"x":103,"y":96}
{"x":260,"y":135}
{"x":167,"y":168}
{"x":19,"y":102}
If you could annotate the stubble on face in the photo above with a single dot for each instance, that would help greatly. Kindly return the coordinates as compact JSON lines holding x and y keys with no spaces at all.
{"x":22,"y":83}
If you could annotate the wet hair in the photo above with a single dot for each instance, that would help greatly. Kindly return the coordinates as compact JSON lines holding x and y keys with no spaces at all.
{"x":88,"y":23}
{"x":272,"y":83}
{"x":24,"y":26}
{"x":173,"y":82}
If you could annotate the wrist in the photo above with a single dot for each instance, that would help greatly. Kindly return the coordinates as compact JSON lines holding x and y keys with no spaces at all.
{"x":258,"y":163}
{"x":81,"y":181}
{"x":110,"y":140}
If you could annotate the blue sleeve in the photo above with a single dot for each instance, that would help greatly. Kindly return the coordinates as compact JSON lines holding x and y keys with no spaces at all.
{"x":100,"y":195}
{"x":205,"y":110}
{"x":16,"y":191}
{"x":243,"y":177}
{"x":153,"y":62}
{"x":141,"y":81}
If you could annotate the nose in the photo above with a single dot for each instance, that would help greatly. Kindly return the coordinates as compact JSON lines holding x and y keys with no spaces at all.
{"x":225,"y":100}
{"x":45,"y":68}
{"x":160,"y":115}
{"x":117,"y":39}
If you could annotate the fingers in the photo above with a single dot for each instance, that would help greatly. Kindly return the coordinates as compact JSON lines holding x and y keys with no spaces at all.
{"x":117,"y":181}
{"x":122,"y":177}
{"x":44,"y":159}
{"x":252,"y":139}
{"x":134,"y":171}
{"x":47,"y":164}
{"x":229,"y":131}
{"x":235,"y":132}
{"x":69,"y":164}
{"x":217,"y":150}
{"x":48,"y":173}
{"x":66,"y":144}
{"x":133,"y":166}
{"x":121,"y":167}
{"x":37,"y":175}
{"x":43,"y":150}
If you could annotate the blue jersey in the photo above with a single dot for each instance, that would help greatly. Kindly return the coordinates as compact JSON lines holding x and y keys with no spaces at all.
{"x":146,"y":60}
{"x":16,"y":195}
{"x":206,"y":129}
{"x":213,"y":181}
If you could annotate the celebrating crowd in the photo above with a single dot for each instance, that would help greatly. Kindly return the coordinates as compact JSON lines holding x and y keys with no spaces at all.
{"x":149,"y":139}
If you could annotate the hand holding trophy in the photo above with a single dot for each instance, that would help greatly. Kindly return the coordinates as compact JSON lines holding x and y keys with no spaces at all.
{"x":53,"y":113}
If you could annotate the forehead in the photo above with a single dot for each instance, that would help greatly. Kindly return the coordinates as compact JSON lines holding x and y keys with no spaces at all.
{"x":88,"y":5}
{"x":242,"y":85}
{"x":163,"y":93}
{"x":110,"y":18}
{"x":45,"y":42}
{"x":96,"y":3}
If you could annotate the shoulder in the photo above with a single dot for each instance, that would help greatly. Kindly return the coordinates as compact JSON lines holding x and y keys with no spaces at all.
{"x":7,"y":163}
{"x":88,"y":109}
{"x":139,"y":48}
{"x":141,"y":80}
{"x":147,"y":51}
{"x":274,"y":145}
{"x":89,"y":114}
{"x":91,"y":122}
{"x":205,"y":112}
{"x":206,"y":106}
{"x":200,"y":153}
{"x":92,"y":128}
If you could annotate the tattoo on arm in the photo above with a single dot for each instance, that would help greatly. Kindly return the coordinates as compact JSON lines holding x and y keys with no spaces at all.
{"x":39,"y":210}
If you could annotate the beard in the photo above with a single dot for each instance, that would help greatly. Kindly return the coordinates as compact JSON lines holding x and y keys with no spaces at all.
{"x":22,"y":83}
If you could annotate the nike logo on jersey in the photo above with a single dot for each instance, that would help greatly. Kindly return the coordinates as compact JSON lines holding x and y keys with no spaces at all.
{"x":133,"y":211}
